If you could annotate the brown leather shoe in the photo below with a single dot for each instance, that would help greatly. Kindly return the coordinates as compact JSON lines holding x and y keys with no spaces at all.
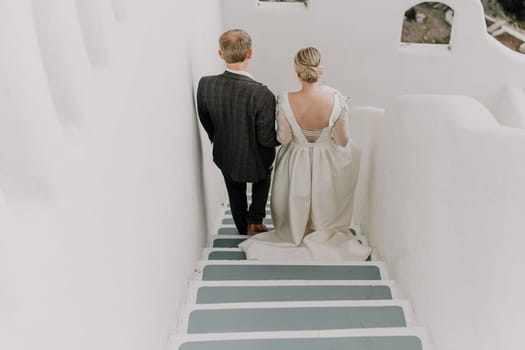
{"x":254,"y":229}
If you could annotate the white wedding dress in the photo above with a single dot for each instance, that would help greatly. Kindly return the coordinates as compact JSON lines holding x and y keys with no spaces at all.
{"x":312,"y":192}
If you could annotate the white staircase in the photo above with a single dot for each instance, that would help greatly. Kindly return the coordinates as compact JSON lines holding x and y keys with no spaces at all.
{"x":235,"y":304}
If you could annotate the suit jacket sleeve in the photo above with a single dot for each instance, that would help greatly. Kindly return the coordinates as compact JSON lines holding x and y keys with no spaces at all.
{"x":204,"y":115}
{"x":265,"y":122}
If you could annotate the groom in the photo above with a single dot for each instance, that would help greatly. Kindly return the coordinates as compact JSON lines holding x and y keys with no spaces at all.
{"x":238,"y":113}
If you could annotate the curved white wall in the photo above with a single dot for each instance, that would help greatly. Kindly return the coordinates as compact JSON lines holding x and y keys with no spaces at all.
{"x":102,"y":211}
{"x":360,"y":41}
{"x":445,"y":210}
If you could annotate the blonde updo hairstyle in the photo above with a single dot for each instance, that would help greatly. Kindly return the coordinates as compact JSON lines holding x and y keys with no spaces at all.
{"x":308,"y":65}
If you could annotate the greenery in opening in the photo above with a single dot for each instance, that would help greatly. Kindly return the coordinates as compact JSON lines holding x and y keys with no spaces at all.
{"x":512,"y":11}
{"x":493,"y":8}
{"x":514,"y":7}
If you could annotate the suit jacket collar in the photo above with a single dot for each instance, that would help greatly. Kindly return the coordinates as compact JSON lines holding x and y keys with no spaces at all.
{"x":231,"y":75}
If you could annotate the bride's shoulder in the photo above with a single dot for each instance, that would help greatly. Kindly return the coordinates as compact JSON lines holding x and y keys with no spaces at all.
{"x":282,"y":95}
{"x":331,"y":90}
{"x":328,"y":89}
{"x":341,"y":99}
{"x":334,"y":91}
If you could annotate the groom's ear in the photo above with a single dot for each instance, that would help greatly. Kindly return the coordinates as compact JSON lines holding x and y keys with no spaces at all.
{"x":249,"y":54}
{"x":220,"y":53}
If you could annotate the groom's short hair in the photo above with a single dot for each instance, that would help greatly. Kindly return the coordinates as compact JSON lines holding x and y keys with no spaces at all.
{"x":235,"y":45}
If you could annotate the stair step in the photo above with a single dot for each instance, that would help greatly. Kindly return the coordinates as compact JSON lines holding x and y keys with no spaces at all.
{"x":233,"y":294}
{"x":228,"y":231}
{"x":230,"y":254}
{"x":233,"y":231}
{"x":227,"y":241}
{"x":201,"y":292}
{"x":358,"y":339}
{"x":254,"y":270}
{"x":229,"y":221}
{"x":293,"y":316}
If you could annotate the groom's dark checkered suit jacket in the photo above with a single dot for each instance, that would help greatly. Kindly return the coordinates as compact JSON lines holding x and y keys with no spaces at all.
{"x":238,"y":114}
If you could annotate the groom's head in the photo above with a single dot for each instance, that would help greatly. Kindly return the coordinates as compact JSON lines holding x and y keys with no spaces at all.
{"x":235,"y":46}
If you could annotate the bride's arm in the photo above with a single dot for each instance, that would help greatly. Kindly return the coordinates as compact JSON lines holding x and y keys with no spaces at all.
{"x":341,"y":136}
{"x":284,"y":131}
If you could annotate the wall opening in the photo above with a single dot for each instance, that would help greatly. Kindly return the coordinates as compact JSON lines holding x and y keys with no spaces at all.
{"x":428,"y":23}
{"x":505,"y":21}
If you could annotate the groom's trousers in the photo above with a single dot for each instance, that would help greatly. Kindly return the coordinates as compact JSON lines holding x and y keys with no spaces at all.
{"x":242,"y":215}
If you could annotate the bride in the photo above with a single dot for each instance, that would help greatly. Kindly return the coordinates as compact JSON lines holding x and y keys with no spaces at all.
{"x":315,"y":176}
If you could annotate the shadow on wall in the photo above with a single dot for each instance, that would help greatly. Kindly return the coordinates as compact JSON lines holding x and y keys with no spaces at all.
{"x":91,"y":16}
{"x":44,"y":35}
{"x":28,"y":124}
{"x":511,"y":106}
{"x":120,"y":9}
{"x":24,"y":173}
{"x":205,"y":196}
{"x":64,"y":58}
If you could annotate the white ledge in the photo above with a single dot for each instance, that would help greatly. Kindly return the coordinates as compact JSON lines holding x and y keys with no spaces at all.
{"x":425,"y":49}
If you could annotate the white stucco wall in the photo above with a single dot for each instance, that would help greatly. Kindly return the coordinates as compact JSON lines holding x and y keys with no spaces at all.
{"x":445,"y":210}
{"x":102,"y":211}
{"x":360,"y":43}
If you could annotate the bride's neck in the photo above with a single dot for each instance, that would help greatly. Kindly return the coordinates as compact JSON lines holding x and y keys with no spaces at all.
{"x":309,"y":87}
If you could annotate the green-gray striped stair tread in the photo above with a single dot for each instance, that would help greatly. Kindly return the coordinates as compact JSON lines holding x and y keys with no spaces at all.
{"x":243,"y":294}
{"x":229,"y":221}
{"x":228,"y":231}
{"x":218,"y":255}
{"x":339,"y":343}
{"x":294,"y":319}
{"x":228,"y":242}
{"x":233,"y":230}
{"x":290,"y":272}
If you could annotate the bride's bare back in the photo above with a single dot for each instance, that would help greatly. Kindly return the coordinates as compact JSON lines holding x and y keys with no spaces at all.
{"x":312,"y":109}
{"x":314,"y":105}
